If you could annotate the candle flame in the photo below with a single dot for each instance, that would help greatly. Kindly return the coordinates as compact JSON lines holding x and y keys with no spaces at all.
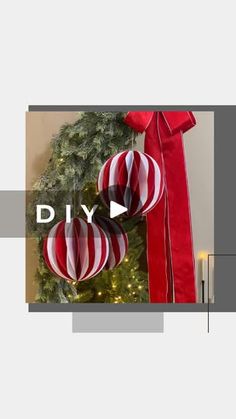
{"x":203,"y":255}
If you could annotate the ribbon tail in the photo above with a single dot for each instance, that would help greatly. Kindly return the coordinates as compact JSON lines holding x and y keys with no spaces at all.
{"x":179,"y":222}
{"x":156,"y":253}
{"x":157,"y":245}
{"x":170,"y":285}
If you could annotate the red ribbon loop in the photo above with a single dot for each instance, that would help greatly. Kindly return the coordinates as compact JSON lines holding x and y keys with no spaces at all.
{"x":175,"y":121}
{"x":169,"y":237}
{"x":139,"y":121}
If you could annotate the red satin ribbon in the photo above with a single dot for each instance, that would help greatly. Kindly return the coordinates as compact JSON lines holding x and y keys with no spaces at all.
{"x":169,"y":237}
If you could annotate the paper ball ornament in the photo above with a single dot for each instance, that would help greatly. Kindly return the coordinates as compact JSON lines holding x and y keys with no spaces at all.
{"x":131,"y":179}
{"x":77,"y":250}
{"x":117,"y":238}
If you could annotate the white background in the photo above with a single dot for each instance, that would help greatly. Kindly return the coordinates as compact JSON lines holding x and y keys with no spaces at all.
{"x":107,"y":52}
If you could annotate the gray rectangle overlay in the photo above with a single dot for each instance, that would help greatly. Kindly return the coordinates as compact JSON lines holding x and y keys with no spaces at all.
{"x":121,"y":308}
{"x":118,"y":322}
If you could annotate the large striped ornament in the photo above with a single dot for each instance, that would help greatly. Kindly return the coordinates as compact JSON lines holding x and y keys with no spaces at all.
{"x":77,"y":250}
{"x":117,"y":238}
{"x":131,"y":179}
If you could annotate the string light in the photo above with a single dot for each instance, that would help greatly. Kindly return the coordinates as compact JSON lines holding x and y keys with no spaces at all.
{"x":126,"y":259}
{"x":140,"y":287}
{"x":129,"y":285}
{"x":61,"y":160}
{"x":99,"y":293}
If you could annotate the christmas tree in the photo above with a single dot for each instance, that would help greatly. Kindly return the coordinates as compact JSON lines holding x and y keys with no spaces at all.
{"x":78,"y":153}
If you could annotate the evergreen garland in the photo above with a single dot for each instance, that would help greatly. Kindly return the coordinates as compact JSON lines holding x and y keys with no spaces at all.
{"x":78,"y":153}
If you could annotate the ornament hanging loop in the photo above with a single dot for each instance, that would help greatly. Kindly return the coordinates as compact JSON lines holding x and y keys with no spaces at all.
{"x":76,"y":200}
{"x":132,"y":141}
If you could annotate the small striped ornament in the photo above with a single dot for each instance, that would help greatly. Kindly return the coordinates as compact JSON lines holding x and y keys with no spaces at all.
{"x":117,"y":238}
{"x":77,"y":250}
{"x":131,"y":179}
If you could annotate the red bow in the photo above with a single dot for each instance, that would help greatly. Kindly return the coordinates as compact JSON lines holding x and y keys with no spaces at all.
{"x":169,"y":237}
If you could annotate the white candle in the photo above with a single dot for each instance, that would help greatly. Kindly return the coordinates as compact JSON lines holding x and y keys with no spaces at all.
{"x":203,"y":274}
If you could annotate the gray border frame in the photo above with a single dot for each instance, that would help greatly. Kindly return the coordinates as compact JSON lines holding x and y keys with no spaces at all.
{"x":224,"y":217}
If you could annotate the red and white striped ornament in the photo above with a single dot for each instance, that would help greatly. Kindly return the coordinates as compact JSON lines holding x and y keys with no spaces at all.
{"x":131,"y":179}
{"x":77,"y":250}
{"x":117,"y":238}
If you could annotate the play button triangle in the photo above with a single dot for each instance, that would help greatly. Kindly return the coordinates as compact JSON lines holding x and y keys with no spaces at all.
{"x":116,"y":209}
